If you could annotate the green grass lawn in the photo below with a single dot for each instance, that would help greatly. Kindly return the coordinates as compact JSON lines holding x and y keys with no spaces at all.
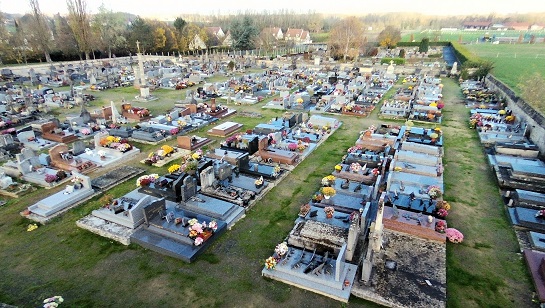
{"x":90,"y":271}
{"x":465,"y":36}
{"x":512,"y":62}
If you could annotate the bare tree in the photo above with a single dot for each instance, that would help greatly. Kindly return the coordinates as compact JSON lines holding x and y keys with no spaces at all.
{"x":40,"y":30}
{"x":79,"y":21}
{"x":347,"y":37}
{"x":389,"y":37}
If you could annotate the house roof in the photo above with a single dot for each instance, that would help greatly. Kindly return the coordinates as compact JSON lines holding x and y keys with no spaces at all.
{"x":518,"y":25}
{"x":214,"y":30}
{"x":272,"y":30}
{"x":294,"y":32}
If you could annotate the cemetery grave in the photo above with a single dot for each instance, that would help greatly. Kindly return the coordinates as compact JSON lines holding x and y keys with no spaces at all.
{"x":519,"y":171}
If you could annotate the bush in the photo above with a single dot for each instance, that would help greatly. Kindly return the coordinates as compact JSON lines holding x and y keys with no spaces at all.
{"x":397,"y":61}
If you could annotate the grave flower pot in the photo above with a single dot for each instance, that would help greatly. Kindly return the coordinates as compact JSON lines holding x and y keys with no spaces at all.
{"x":329,"y":215}
{"x":327,"y":197}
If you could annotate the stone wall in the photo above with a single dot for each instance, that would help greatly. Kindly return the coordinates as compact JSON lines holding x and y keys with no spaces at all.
{"x":534,"y":119}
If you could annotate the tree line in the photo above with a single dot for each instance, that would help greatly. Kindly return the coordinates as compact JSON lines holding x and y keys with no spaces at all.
{"x":35,"y":37}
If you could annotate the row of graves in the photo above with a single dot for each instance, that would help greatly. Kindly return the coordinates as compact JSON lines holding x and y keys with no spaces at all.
{"x":419,"y":100}
{"x":341,"y":93}
{"x":181,"y":212}
{"x":520,"y":172}
{"x":375,"y":227}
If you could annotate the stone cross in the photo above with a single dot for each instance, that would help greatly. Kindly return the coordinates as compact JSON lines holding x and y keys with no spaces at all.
{"x":138,"y":46}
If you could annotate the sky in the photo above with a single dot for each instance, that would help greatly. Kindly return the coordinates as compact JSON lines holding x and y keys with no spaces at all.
{"x":169,"y":9}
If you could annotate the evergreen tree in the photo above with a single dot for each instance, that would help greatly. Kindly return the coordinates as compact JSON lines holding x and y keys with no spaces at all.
{"x":243,"y":33}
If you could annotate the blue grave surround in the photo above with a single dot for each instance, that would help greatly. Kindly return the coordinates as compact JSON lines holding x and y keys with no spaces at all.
{"x":405,"y":202}
{"x":342,"y":202}
{"x":355,"y":189}
{"x":419,"y":135}
{"x":537,"y":240}
{"x":526,"y":218}
{"x":530,"y":198}
{"x":172,"y":239}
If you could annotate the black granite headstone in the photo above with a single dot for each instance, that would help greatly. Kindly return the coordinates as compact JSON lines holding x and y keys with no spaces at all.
{"x":153,"y":210}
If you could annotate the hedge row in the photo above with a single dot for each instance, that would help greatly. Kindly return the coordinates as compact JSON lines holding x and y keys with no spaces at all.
{"x":463,"y":54}
{"x":397,"y":61}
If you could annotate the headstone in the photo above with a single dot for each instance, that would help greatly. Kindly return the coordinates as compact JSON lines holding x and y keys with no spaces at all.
{"x":339,"y":263}
{"x":224,"y":171}
{"x":27,"y":153}
{"x":207,"y":177}
{"x":189,"y":188}
{"x":5,"y":180}
{"x":6,"y":139}
{"x":78,"y":147}
{"x":44,"y":159}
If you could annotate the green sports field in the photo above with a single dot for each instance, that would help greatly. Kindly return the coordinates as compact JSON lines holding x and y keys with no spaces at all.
{"x":465,"y":36}
{"x":512,"y":62}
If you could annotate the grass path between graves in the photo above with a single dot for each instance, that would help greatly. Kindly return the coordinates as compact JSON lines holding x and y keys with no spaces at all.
{"x":90,"y":271}
{"x":487,"y":269}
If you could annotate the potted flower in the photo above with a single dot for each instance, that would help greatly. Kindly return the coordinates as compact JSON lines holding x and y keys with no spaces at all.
{"x":102,"y":154}
{"x":50,"y":178}
{"x":270,"y":263}
{"x":53,"y":302}
{"x":259,"y":182}
{"x":146,"y":180}
{"x":434,"y":192}
{"x":317,"y":198}
{"x":454,"y":236}
{"x":329,"y":210}
{"x":355,"y":167}
{"x":292,"y":146}
{"x":328,"y":192}
{"x":281,"y":249}
{"x":304,"y":209}
{"x":174,"y":168}
{"x":167,"y":149}
{"x":276,"y":170}
{"x":78,"y":182}
{"x":442,"y":213}
{"x":328,"y":180}
{"x":338,"y":168}
{"x":440,"y":226}
{"x":189,"y":167}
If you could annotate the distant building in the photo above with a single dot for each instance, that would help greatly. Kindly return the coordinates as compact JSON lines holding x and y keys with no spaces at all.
{"x":197,"y":43}
{"x":215,"y":36}
{"x":274,"y":32}
{"x":299,"y":36}
{"x":228,"y":40}
{"x":520,"y":26}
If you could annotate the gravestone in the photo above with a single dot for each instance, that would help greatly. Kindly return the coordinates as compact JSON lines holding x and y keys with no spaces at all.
{"x":5,"y":180}
{"x":6,"y":140}
{"x":189,"y":188}
{"x":224,"y":171}
{"x":154,"y":209}
{"x":339,"y":263}
{"x":78,"y":147}
{"x":44,"y":159}
{"x":97,"y":137}
{"x":207,"y":177}
{"x":27,"y":153}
